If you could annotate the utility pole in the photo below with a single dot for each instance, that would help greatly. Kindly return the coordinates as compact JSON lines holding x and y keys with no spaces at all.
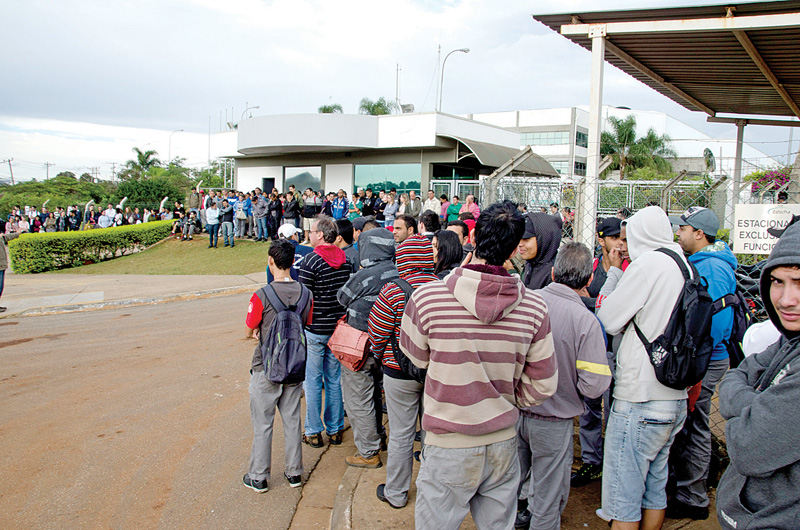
{"x":48,"y":164}
{"x":113,"y":171}
{"x":10,"y":169}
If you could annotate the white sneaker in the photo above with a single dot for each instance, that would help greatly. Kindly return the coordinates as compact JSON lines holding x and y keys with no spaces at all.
{"x":602,"y":516}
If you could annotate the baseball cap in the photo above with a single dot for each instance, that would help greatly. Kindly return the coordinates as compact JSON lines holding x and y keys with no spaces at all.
{"x":359,"y":222}
{"x":530,"y":229}
{"x":287,"y":231}
{"x":610,"y":226}
{"x":698,"y":218}
{"x":778,"y":232}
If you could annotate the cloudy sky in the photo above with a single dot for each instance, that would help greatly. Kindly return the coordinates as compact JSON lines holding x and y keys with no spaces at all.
{"x":85,"y":81}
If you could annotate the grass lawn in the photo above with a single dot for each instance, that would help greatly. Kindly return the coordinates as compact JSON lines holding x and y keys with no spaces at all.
{"x":185,"y":257}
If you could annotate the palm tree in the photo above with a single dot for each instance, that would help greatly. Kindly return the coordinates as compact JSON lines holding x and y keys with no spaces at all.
{"x":376,"y":108}
{"x":628,"y":152}
{"x":333,"y":108}
{"x":145,"y":160}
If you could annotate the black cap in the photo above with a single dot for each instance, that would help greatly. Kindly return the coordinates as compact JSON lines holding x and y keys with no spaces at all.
{"x":530,"y":230}
{"x":778,"y":232}
{"x":610,"y":226}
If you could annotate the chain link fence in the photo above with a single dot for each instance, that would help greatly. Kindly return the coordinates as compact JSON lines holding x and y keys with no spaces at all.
{"x":569,"y":199}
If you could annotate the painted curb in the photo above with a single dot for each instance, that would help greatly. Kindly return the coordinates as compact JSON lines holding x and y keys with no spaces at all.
{"x":342,"y":514}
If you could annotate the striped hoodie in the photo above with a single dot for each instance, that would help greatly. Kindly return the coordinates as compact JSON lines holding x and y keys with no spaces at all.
{"x":485,"y":340}
{"x":415,"y":265}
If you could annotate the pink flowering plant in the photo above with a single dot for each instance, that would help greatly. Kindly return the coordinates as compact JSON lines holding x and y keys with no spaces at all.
{"x":762,"y":179}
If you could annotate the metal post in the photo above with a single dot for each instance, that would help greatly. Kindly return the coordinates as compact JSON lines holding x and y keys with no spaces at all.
{"x":737,"y":163}
{"x":589,"y":188}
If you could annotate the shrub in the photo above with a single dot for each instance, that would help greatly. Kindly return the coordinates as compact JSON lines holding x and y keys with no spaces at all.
{"x":58,"y":250}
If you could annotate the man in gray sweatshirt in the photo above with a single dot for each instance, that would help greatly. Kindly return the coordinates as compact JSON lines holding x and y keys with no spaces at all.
{"x":761,"y":487}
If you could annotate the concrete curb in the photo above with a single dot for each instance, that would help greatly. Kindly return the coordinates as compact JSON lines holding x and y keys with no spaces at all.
{"x":342,"y":514}
{"x":111,"y":304}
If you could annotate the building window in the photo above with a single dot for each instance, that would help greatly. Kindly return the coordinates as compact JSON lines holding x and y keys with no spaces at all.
{"x":580,"y":168}
{"x":581,"y":139}
{"x":562,"y":166}
{"x":402,"y":177}
{"x":302,"y":177}
{"x":545,"y":138}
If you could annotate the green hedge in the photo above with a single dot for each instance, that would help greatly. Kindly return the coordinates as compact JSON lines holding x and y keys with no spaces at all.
{"x":58,"y":250}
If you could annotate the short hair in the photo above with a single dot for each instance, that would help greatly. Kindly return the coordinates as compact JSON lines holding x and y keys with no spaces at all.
{"x":498,"y":232}
{"x":431,"y":220}
{"x":466,"y":216}
{"x":282,"y":253}
{"x":573,"y":266}
{"x":463,"y":226}
{"x":345,"y":229}
{"x":369,"y":225}
{"x":553,"y":204}
{"x":327,"y":226}
{"x":409,"y":221}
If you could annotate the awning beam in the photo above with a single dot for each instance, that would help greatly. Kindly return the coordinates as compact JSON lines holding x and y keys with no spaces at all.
{"x":749,"y":121}
{"x":744,"y":23}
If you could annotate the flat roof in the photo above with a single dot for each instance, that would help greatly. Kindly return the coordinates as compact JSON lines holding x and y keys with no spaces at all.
{"x":736,"y":59}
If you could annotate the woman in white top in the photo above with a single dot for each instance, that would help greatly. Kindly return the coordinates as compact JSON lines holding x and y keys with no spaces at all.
{"x":403,"y":202}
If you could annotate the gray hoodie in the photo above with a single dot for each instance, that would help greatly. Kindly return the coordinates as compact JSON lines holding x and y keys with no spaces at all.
{"x":761,"y":487}
{"x":376,"y":255}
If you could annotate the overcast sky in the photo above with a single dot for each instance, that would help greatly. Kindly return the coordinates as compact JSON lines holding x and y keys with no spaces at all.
{"x":85,"y":81}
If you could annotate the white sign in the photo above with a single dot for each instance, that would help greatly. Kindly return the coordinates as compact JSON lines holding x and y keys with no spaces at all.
{"x":751,"y":221}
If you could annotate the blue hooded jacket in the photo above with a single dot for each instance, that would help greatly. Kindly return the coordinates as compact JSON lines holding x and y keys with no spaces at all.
{"x":717,"y":264}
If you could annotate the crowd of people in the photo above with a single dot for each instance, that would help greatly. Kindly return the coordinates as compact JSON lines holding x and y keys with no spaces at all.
{"x":497,"y":332}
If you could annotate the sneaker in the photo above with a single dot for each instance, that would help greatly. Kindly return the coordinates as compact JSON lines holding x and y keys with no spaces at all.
{"x":259,"y":486}
{"x":2,"y":309}
{"x":190,"y":238}
{"x":357,"y":460}
{"x":295,"y":481}
{"x":523,"y":519}
{"x":586,"y":474}
{"x":335,"y":438}
{"x":599,"y":513}
{"x":680,"y":510}
{"x":416,"y":455}
{"x":210,"y":246}
{"x":314,"y":440}
{"x":380,"y":493}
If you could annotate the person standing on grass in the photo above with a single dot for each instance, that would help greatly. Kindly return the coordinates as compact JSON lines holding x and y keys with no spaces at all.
{"x":266,"y":396}
{"x":226,"y":219}
{"x":212,"y":224}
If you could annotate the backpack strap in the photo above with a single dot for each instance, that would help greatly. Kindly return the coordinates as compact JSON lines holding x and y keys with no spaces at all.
{"x":407,"y":290}
{"x":273,"y":299}
{"x":678,"y":260}
{"x":729,"y":300}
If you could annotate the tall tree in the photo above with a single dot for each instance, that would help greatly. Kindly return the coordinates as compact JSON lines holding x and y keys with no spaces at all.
{"x":138,"y":168}
{"x":376,"y":108}
{"x":333,"y":108}
{"x":629,"y":152}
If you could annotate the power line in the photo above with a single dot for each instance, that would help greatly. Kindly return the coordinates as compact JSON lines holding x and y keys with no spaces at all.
{"x":48,"y":164}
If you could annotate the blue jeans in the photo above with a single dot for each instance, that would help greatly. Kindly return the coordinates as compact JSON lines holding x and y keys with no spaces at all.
{"x":213,"y":234}
{"x":321,"y":366}
{"x":2,"y":279}
{"x":227,"y":233}
{"x":261,"y":227}
{"x":638,"y":440}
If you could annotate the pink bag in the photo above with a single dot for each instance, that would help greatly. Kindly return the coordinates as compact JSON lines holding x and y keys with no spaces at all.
{"x":349,"y":345}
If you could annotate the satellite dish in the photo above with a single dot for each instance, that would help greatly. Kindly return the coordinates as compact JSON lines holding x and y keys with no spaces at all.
{"x":711,"y":162}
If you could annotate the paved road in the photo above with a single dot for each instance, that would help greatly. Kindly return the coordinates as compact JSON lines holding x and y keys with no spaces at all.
{"x":133,"y":418}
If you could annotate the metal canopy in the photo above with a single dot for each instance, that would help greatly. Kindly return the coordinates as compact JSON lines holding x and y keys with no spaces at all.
{"x":740,"y":59}
{"x":495,"y":156}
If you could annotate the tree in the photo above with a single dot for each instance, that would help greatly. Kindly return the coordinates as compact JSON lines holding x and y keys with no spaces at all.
{"x":628,"y":152}
{"x":376,"y":108}
{"x":333,"y":108}
{"x":137,"y":169}
{"x":147,"y":193}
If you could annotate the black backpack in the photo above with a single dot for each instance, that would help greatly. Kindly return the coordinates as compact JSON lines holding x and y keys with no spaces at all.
{"x":743,"y":318}
{"x":283,"y":350}
{"x":681,"y":354}
{"x":406,"y":366}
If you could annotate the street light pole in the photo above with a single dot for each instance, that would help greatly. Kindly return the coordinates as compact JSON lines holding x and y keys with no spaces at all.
{"x":441,"y":80}
{"x":248,"y":108}
{"x":169,"y":151}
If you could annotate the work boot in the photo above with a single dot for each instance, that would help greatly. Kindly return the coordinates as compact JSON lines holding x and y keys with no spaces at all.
{"x":357,"y":460}
{"x":586,"y":474}
{"x":314,"y":440}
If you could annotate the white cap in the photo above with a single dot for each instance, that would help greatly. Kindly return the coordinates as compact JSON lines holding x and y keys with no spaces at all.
{"x":288,"y":230}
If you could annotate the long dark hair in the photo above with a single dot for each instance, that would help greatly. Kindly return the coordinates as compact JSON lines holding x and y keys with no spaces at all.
{"x":449,"y":251}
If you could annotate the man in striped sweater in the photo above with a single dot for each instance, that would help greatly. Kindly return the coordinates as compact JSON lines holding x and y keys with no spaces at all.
{"x":486,"y":343}
{"x":323,"y":271}
{"x":403,"y":394}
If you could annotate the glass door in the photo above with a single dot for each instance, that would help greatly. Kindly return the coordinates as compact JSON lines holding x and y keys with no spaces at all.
{"x":440,"y":187}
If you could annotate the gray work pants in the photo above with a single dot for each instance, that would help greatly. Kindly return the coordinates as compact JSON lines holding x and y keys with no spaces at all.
{"x":357,"y":391}
{"x":403,"y":399}
{"x":545,"y":448}
{"x":265,"y":397}
{"x":482,"y":480}
{"x":690,"y":455}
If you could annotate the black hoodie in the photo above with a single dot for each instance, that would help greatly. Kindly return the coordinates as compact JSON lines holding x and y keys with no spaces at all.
{"x":761,"y":487}
{"x":548,"y":239}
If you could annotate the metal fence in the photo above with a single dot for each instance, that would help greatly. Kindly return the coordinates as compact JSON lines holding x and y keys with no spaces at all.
{"x":626,"y":197}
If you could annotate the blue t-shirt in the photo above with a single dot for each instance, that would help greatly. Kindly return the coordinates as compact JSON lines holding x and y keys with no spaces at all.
{"x":299,"y":253}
